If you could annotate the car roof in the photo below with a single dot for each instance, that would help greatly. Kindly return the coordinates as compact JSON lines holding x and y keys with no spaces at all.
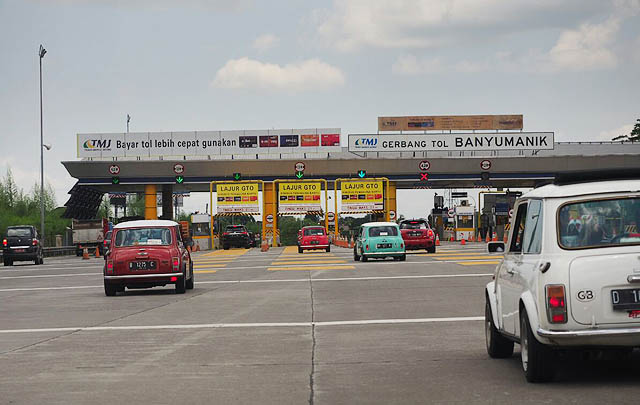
{"x":313,"y":226}
{"x":146,"y":223}
{"x":578,"y":189}
{"x":369,"y":224}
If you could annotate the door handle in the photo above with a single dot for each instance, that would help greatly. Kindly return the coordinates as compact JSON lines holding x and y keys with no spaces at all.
{"x":633,"y":279}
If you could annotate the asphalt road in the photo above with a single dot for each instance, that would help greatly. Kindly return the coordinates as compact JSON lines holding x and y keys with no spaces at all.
{"x":275,"y":328}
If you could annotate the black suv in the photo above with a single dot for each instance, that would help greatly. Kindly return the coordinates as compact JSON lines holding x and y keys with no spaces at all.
{"x":21,"y":243}
{"x":235,"y":236}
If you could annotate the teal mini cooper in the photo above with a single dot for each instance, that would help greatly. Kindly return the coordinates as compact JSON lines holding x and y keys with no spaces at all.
{"x":379,"y":240}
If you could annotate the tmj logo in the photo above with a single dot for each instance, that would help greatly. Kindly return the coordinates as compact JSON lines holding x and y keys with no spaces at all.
{"x":366,"y":142}
{"x":97,"y":144}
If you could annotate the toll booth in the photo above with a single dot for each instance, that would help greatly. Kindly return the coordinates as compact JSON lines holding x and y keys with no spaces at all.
{"x":201,"y":231}
{"x":465,"y":223}
{"x":496,"y":207}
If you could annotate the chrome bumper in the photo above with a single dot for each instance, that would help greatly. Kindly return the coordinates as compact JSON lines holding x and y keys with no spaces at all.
{"x":314,"y":246}
{"x":631,"y":332}
{"x":130,"y":276}
{"x":383,"y":253}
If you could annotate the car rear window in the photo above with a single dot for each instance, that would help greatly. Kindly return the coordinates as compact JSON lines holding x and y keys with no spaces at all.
{"x":314,"y":231}
{"x":383,"y":231}
{"x":143,"y":236}
{"x":19,"y":232}
{"x":236,"y":228}
{"x":599,"y":223}
{"x":413,"y":225}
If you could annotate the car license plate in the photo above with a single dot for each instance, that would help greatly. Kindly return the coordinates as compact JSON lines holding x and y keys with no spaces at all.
{"x":147,"y":265}
{"x":626,"y":299}
{"x":314,"y":242}
{"x":19,"y":250}
{"x":416,"y":233}
{"x":384,"y":245}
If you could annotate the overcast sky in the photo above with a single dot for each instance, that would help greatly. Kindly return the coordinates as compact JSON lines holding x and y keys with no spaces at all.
{"x":568,"y":66}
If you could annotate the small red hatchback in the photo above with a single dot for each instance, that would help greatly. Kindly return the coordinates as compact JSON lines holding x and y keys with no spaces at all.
{"x":313,"y":237}
{"x":417,"y":234}
{"x":145,"y":254}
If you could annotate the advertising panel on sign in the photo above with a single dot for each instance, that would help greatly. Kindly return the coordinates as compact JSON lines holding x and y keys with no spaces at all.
{"x":362,"y":195}
{"x":299,"y":197}
{"x":240,"y":197}
{"x":451,"y":142}
{"x":207,"y":143}
{"x":450,"y":122}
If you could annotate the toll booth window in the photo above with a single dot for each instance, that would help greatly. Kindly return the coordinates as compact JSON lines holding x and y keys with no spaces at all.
{"x":465,"y":221}
{"x":201,"y":229}
{"x":314,"y":231}
{"x":383,"y":231}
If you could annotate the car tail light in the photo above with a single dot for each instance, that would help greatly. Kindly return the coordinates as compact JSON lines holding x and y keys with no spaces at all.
{"x":367,"y":247}
{"x":109,"y":266}
{"x":34,"y":242}
{"x":402,"y":245}
{"x":245,"y":233}
{"x":430,"y":234}
{"x":104,"y":243}
{"x":4,"y":242}
{"x":176,"y":264}
{"x":556,"y":304}
{"x":225,"y":234}
{"x":174,"y":279}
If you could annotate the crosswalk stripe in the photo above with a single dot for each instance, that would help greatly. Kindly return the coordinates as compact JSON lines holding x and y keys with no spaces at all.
{"x":204,"y":271}
{"x":285,"y":262}
{"x":311,"y":268}
{"x":466,"y":257}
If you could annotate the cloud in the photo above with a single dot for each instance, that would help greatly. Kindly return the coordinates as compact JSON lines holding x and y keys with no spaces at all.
{"x":587,"y":48}
{"x":218,"y":5}
{"x":311,"y":74}
{"x":265,"y":42}
{"x":404,"y":24}
{"x":411,"y":65}
{"x":612,"y":133}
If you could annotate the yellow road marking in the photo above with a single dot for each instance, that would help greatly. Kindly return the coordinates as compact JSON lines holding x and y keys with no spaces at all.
{"x":231,"y":252}
{"x":478,"y":263}
{"x":312,"y":268}
{"x":467,"y":257}
{"x":204,"y":271}
{"x":285,"y":262}
{"x":290,"y":249}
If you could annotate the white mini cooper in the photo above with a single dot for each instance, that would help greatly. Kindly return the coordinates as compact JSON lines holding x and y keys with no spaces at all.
{"x":570,"y":275}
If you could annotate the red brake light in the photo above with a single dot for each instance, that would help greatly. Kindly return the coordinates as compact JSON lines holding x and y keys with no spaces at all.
{"x":173,"y":279}
{"x":367,"y":247}
{"x":110,"y":267}
{"x":176,"y":264}
{"x":34,"y":242}
{"x":556,"y":304}
{"x":245,"y":233}
{"x":4,"y":242}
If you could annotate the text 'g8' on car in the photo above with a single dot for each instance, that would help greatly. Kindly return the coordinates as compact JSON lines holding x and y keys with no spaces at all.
{"x":570,"y":277}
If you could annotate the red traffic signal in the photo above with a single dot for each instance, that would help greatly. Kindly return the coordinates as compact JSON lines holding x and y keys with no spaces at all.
{"x":424,"y":176}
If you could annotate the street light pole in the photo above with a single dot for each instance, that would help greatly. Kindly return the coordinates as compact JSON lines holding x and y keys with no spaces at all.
{"x":41,"y":53}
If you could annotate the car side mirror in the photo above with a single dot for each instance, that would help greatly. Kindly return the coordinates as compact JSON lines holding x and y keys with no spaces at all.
{"x":495,"y":247}
{"x":108,"y":243}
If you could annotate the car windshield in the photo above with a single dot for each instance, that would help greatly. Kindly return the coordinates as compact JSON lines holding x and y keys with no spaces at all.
{"x":313,"y":231}
{"x":143,"y":236}
{"x":19,"y":232}
{"x":599,"y":223}
{"x":414,"y":225}
{"x":383,"y":231}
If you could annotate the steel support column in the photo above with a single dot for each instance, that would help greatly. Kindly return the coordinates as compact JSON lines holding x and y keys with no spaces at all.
{"x":150,"y":202}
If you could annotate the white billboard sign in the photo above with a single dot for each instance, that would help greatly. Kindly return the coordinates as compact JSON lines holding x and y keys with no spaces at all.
{"x":450,"y":142}
{"x":205,"y":143}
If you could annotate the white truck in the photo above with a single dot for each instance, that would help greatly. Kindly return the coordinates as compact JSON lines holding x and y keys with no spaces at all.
{"x":88,"y":233}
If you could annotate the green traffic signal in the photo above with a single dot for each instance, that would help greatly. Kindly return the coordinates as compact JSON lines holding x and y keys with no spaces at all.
{"x":299,"y":175}
{"x":237,"y":176}
{"x":115,"y":180}
{"x":179,"y":179}
{"x":362,"y":173}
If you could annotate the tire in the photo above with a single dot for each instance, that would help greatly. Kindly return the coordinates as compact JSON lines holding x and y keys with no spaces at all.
{"x":328,"y":249}
{"x":5,"y":262}
{"x":300,"y":250}
{"x":8,"y":262}
{"x":432,"y":249}
{"x":537,"y":359}
{"x":225,"y":247}
{"x":110,"y":290}
{"x":190,"y":282}
{"x":356,"y":258}
{"x":181,"y":284}
{"x":498,"y":347}
{"x":364,"y":258}
{"x":403,"y":257}
{"x":120,"y":288}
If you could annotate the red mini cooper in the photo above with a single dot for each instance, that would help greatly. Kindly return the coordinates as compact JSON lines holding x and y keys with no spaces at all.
{"x":417,"y":234}
{"x":313,"y":237}
{"x":145,"y":254}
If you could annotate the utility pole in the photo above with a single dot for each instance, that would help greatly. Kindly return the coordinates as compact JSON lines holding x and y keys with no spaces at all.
{"x":128,"y":119}
{"x":41,"y":53}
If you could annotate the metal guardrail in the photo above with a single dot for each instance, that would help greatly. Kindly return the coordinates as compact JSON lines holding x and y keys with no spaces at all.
{"x":56,"y":251}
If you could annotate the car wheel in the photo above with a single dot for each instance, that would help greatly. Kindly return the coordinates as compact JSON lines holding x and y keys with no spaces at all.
{"x":356,"y":258}
{"x":6,"y":262}
{"x":328,"y":249}
{"x":120,"y":288}
{"x":300,"y":250}
{"x":181,"y":284}
{"x":498,"y":347}
{"x":432,"y":249}
{"x":191,"y":281}
{"x":364,"y":258}
{"x":537,"y":360}
{"x":110,"y":289}
{"x":225,"y":247}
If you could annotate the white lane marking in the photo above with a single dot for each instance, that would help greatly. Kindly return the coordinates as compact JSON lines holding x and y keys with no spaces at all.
{"x":51,"y":275}
{"x":248,"y":325}
{"x":29,"y":270}
{"x":287,"y":280}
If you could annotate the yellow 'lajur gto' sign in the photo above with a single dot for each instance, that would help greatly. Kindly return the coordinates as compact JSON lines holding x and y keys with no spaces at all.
{"x":241,"y":197}
{"x":299,"y":197}
{"x":362,"y":195}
